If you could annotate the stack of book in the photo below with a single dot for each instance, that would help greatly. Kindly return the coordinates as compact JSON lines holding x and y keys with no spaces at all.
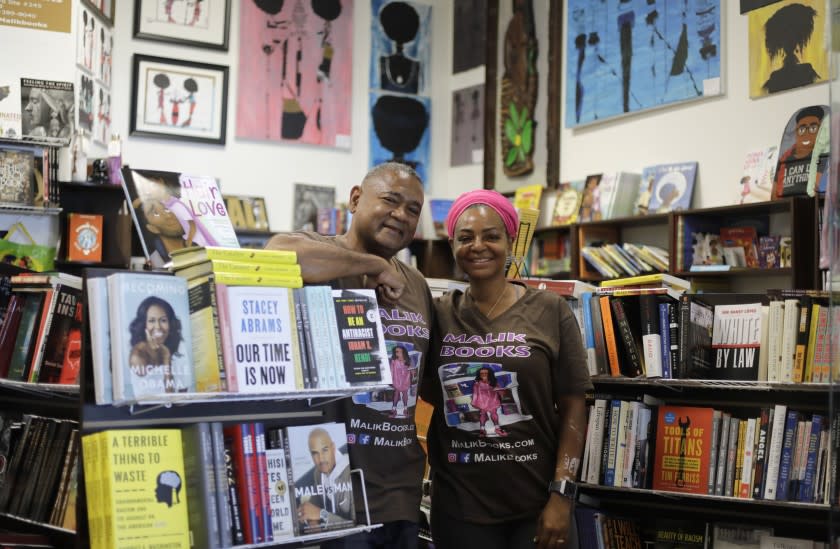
{"x":615,"y":260}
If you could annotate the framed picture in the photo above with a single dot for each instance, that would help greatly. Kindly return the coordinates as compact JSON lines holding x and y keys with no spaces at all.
{"x":176,"y":99}
{"x":203,"y":24}
{"x":102,"y":8}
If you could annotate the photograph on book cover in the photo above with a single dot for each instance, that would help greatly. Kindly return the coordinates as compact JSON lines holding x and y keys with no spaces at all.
{"x":469,"y":30}
{"x":199,"y":23}
{"x":480,"y":396}
{"x":47,"y":108}
{"x":626,"y":57}
{"x":181,"y":100}
{"x":400,"y":131}
{"x":787,"y":46}
{"x":295,"y":72}
{"x":398,"y":400}
{"x":400,"y":49}
{"x":518,"y":49}
{"x":308,"y":198}
{"x":467,"y":145}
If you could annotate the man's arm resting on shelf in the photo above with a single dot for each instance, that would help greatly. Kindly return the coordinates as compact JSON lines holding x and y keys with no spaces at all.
{"x":321,"y":262}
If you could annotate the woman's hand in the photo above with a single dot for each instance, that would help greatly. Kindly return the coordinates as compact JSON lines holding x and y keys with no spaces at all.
{"x":554,"y":523}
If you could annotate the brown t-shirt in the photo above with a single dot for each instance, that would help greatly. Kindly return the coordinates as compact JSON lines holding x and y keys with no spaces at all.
{"x":383,"y":444}
{"x":494,"y":433}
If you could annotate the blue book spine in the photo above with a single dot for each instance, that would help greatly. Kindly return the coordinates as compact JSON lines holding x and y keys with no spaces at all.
{"x":609,"y":473}
{"x":588,"y":333}
{"x":787,"y":456}
{"x":665,"y":332}
{"x":806,"y":491}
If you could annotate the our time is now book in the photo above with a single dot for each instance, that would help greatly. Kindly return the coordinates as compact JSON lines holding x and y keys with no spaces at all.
{"x":683,"y":449}
{"x":173,"y":211}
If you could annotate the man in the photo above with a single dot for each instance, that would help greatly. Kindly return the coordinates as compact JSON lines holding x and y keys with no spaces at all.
{"x":386,"y":208}
{"x":331,"y":478}
{"x":808,"y":122}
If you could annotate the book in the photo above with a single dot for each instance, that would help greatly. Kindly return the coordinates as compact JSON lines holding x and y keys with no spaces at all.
{"x":528,"y":196}
{"x":567,"y":206}
{"x":362,"y":339}
{"x":84,"y":237}
{"x":280,"y":500}
{"x":173,"y":211}
{"x":439,"y":209}
{"x":208,"y":361}
{"x":753,"y":185}
{"x":319,"y":467}
{"x":190,"y":256}
{"x":696,"y":322}
{"x":680,"y":534}
{"x":673,"y":187}
{"x":738,"y":536}
{"x":590,"y":206}
{"x":739,"y":246}
{"x":247,"y":212}
{"x":142,"y":470}
{"x":49,"y":109}
{"x":16,"y":177}
{"x":243,"y":453}
{"x":736,"y":341}
{"x":263,"y":338}
{"x":60,"y":355}
{"x":10,"y":108}
{"x":200,"y":484}
{"x":778,"y":542}
{"x":225,"y":266}
{"x":795,"y":150}
{"x":151,"y":341}
{"x":100,"y":338}
{"x":683,"y":445}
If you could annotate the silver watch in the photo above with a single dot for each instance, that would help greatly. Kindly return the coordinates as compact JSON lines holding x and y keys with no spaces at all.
{"x":565,"y":488}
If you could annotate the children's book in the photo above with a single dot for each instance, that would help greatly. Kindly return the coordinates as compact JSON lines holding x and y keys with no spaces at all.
{"x":173,"y":211}
{"x":567,"y":205}
{"x":528,"y":196}
{"x":319,"y":471}
{"x":756,"y":184}
{"x":795,"y":150}
{"x":672,"y":187}
{"x":739,"y":246}
{"x":646,"y":185}
{"x":590,"y":199}
{"x":151,"y":342}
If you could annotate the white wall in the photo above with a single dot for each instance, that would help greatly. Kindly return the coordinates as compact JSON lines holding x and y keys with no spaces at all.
{"x":717,"y":132}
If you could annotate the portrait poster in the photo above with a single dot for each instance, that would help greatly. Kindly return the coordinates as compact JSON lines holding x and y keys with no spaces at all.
{"x":295,"y":72}
{"x":467,"y":145}
{"x":787,"y":46}
{"x":400,"y":49}
{"x":400,"y":131}
{"x":308,"y":198}
{"x":626,"y":57}
{"x":468,"y":31}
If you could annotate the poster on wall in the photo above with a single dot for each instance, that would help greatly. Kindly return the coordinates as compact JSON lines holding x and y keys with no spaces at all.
{"x":626,"y":57}
{"x":467,"y":126}
{"x":787,"y":46}
{"x":295,"y":72}
{"x":468,"y":31}
{"x":46,"y":16}
{"x":400,"y":52}
{"x":308,"y":198}
{"x":400,"y":131}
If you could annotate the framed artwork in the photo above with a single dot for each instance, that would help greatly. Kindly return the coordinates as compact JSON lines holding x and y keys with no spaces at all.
{"x":295,"y":72}
{"x":308,"y":198}
{"x":175,"y":99}
{"x":400,"y":50}
{"x":102,"y":8}
{"x":500,"y":59}
{"x":199,"y":23}
{"x":400,"y":131}
{"x":627,"y":57}
{"x":468,"y":31}
{"x":467,"y":146}
{"x":787,"y":46}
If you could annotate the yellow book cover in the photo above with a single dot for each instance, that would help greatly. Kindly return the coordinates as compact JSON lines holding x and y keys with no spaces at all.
{"x":227,"y":266}
{"x":90,"y":451}
{"x":257,"y":279}
{"x":528,"y":196}
{"x":812,"y":343}
{"x":206,"y":340}
{"x":656,"y":278}
{"x":146,"y":503}
{"x":188,"y":256}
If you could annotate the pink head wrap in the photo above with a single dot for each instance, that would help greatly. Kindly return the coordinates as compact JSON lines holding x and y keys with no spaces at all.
{"x":493,"y":199}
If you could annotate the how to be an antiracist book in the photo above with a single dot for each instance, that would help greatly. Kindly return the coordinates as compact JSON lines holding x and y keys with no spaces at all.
{"x":362,"y":338}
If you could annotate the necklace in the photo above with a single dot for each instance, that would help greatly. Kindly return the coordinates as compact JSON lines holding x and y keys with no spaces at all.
{"x":493,"y":308}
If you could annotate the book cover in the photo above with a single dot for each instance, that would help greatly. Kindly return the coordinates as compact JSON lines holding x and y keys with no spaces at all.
{"x":362,"y":339}
{"x":48,"y":105}
{"x":673,"y":186}
{"x":16,"y":168}
{"x":695,"y":338}
{"x":736,"y":341}
{"x":795,"y":150}
{"x":683,"y":445}
{"x":208,"y":361}
{"x":320,"y":468}
{"x":100,"y":338}
{"x":740,"y":246}
{"x":680,"y":534}
{"x":61,"y":358}
{"x":200,"y":483}
{"x":738,"y":536}
{"x":243,"y":452}
{"x":439,"y":208}
{"x":184,"y":257}
{"x":590,"y":200}
{"x":173,"y":211}
{"x":247,"y":212}
{"x":84,"y":237}
{"x":282,"y":521}
{"x":142,"y":471}
{"x":528,"y":196}
{"x":264,"y":511}
{"x":27,"y":332}
{"x":753,"y":185}
{"x":151,"y":342}
{"x":567,"y":205}
{"x":263,"y":337}
{"x":10,"y":108}
{"x":222,"y":490}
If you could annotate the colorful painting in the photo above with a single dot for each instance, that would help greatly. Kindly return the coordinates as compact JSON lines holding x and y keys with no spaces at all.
{"x":787,"y":46}
{"x":295,"y":71}
{"x":467,"y":126}
{"x":400,"y":131}
{"x":400,"y":52}
{"x":629,"y":56}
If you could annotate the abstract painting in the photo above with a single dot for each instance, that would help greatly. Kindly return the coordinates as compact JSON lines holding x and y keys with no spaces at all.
{"x":468,"y":31}
{"x":467,"y":126}
{"x":400,"y":131}
{"x":633,"y":55}
{"x":400,"y":47}
{"x":295,"y":71}
{"x":787,"y":46}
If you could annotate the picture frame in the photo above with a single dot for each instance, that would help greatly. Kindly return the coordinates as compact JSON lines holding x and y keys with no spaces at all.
{"x":103,"y":8}
{"x":180,"y":100}
{"x":549,"y":129}
{"x":206,"y":25}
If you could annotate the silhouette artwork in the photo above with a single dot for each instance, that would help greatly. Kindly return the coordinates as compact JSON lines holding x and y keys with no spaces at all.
{"x":295,"y":65}
{"x":787,"y":33}
{"x":400,"y":125}
{"x":398,"y":72}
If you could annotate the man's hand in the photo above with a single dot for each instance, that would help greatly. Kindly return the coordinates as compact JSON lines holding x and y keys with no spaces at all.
{"x":309,"y":513}
{"x":388,"y":283}
{"x":553,"y":524}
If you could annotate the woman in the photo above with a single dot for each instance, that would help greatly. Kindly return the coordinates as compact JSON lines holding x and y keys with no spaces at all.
{"x":155,"y":342}
{"x":485,"y":397}
{"x":531,"y":342}
{"x":400,"y":378}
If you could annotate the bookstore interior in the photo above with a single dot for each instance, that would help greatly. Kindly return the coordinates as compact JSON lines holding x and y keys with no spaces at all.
{"x":669,"y":163}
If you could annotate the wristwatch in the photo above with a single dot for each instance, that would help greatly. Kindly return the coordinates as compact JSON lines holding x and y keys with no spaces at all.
{"x":565,"y":488}
{"x":323,"y":516}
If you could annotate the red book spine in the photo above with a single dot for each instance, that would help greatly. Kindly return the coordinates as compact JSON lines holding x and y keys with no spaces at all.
{"x":246,"y":479}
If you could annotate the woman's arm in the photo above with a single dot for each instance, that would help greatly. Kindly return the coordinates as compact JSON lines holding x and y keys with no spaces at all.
{"x":555,"y":521}
{"x":321,"y":262}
